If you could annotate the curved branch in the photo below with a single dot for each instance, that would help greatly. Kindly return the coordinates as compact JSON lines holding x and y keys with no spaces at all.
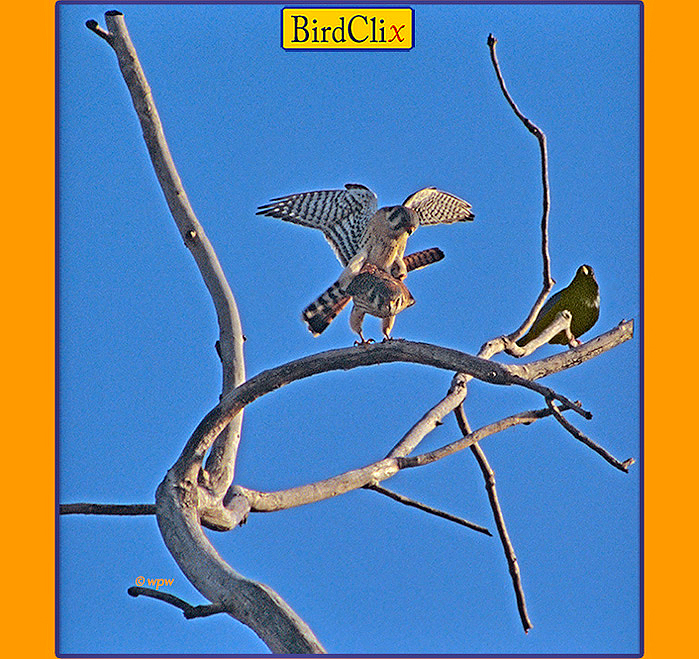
{"x":391,"y":351}
{"x":252,"y":603}
{"x":221,"y":463}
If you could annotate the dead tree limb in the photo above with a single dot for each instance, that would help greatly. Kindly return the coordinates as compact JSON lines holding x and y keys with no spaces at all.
{"x":541,"y":138}
{"x":508,"y":548}
{"x":221,"y":463}
{"x":582,"y":437}
{"x":376,"y":471}
{"x":406,"y":501}
{"x":177,"y":499}
{"x":106,"y":509}
{"x":190,"y":611}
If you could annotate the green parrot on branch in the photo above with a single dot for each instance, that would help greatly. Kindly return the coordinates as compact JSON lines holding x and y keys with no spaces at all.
{"x":580,"y":297}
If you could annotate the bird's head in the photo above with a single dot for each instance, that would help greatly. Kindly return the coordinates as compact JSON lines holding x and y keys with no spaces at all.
{"x":585,"y":272}
{"x":401,"y":219}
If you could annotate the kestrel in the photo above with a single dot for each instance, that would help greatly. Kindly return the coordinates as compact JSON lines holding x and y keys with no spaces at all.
{"x":376,"y":292}
{"x":581,"y":298}
{"x":359,"y":233}
{"x":321,"y":312}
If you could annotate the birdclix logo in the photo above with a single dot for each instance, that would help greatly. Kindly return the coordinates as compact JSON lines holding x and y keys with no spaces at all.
{"x":323,"y":28}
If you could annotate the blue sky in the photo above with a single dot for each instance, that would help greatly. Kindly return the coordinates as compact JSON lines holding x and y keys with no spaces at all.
{"x":247,"y":121}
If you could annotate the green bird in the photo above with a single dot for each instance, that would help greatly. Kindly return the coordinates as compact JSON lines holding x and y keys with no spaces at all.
{"x":580,"y":297}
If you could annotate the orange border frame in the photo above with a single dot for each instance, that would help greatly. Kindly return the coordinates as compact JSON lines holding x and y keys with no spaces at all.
{"x":28,"y":327}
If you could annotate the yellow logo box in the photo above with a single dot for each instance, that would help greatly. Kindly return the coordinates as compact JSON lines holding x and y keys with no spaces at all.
{"x":347,"y":28}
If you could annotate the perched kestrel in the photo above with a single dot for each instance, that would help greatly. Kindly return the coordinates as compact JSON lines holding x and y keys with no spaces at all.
{"x":376,"y":292}
{"x":580,"y":297}
{"x":322,"y":311}
{"x":361,"y":234}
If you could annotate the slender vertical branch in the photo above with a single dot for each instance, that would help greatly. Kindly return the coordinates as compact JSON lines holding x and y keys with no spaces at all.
{"x":489,"y":476}
{"x":541,"y":138}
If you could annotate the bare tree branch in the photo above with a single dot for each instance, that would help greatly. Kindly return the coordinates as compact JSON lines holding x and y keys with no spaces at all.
{"x":94,"y":26}
{"x":541,"y":138}
{"x":622,"y":466}
{"x":385,"y":352}
{"x":376,"y":471}
{"x":252,"y":603}
{"x":189,"y":610}
{"x":522,"y":418}
{"x":489,"y":477}
{"x":106,"y":509}
{"x":431,"y":419}
{"x":425,"y":508}
{"x":560,"y":323}
{"x":221,"y":463}
{"x":177,"y":497}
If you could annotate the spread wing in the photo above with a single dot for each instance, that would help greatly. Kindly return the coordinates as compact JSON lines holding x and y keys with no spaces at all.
{"x":437,"y":207}
{"x":342,"y":215}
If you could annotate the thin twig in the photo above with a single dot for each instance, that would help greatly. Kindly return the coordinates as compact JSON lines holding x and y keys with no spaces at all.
{"x":95,"y":27}
{"x":510,"y":556}
{"x":580,"y":436}
{"x":106,"y":509}
{"x":376,"y":471}
{"x":541,"y":138}
{"x":190,"y":611}
{"x":548,"y":280}
{"x":522,"y":418}
{"x":425,"y":508}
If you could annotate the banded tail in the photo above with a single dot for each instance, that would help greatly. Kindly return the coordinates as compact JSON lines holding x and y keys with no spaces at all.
{"x":426,"y":257}
{"x":322,"y":311}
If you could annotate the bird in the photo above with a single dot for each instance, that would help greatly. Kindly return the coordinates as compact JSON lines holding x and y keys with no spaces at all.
{"x":580,"y":298}
{"x":350,"y":221}
{"x":359,"y":233}
{"x":376,"y":292}
{"x":322,"y":311}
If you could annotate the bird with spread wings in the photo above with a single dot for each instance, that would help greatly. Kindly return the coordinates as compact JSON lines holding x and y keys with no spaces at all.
{"x":360,"y":233}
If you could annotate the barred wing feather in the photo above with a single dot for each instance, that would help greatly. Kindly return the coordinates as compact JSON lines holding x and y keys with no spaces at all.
{"x":438,"y":207}
{"x":342,"y":215}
